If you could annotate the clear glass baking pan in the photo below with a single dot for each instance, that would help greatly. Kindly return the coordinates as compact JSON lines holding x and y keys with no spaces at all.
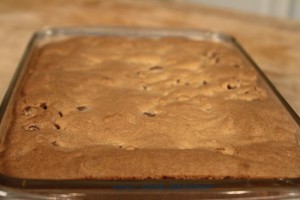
{"x":17,"y":188}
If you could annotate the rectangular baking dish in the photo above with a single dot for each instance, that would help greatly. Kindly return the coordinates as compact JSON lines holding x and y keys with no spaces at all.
{"x":16,"y":188}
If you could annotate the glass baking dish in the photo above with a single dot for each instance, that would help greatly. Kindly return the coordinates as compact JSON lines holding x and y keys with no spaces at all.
{"x":17,"y":188}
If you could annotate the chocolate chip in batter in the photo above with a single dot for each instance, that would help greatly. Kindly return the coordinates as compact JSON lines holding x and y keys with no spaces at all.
{"x":210,"y":54}
{"x":145,"y":87}
{"x":54,"y":143}
{"x":230,"y":87}
{"x":149,"y":114}
{"x":216,"y":60}
{"x":56,"y":126}
{"x":27,"y":110}
{"x":32,"y":127}
{"x":82,"y":108}
{"x":44,"y":106}
{"x":156,"y":68}
{"x":236,"y":65}
{"x":219,"y":149}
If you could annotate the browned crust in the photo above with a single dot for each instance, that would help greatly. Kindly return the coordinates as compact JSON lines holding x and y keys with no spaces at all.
{"x":115,"y":108}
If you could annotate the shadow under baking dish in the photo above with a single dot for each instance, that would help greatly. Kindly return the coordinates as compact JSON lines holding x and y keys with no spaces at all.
{"x":165,"y":187}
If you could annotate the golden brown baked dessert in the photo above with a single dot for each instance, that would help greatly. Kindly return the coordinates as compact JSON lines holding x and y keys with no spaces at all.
{"x":138,"y":108}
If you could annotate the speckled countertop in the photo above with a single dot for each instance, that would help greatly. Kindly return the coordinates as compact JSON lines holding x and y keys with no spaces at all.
{"x":274,"y":44}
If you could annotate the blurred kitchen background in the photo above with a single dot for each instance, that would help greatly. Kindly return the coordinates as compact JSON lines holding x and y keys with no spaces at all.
{"x":287,"y":9}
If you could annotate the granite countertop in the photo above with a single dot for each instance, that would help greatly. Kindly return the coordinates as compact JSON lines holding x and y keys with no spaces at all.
{"x":274,"y":44}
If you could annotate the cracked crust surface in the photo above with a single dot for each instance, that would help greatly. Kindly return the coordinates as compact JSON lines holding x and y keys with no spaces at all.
{"x":122,"y":108}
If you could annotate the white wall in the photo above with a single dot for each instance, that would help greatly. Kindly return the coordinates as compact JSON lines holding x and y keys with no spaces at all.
{"x":278,"y":8}
{"x":296,"y":10}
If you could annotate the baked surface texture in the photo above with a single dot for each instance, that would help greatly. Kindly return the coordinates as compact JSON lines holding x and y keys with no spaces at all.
{"x":140,"y":108}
